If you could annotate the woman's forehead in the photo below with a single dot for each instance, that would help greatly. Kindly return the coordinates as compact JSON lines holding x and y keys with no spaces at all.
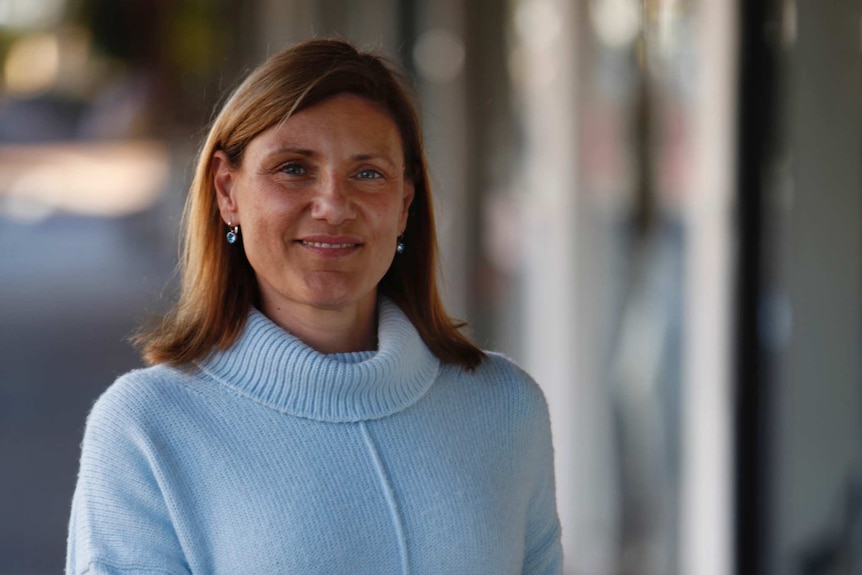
{"x":346,"y":119}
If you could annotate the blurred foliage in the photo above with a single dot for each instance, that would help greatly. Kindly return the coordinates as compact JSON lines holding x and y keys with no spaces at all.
{"x":196,"y":34}
{"x":180,"y":45}
{"x":186,"y":36}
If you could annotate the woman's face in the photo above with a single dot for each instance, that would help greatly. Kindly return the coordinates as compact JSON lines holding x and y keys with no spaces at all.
{"x":321,"y":200}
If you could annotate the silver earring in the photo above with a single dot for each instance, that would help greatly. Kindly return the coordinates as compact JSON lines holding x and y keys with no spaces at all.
{"x":399,"y":247}
{"x":232,"y":233}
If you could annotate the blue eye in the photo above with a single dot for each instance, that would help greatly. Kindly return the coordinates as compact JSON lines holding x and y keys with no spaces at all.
{"x":369,"y":174}
{"x":292,"y":169}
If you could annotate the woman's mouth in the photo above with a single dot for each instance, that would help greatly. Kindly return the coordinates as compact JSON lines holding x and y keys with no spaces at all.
{"x":330,"y":247}
{"x":327,"y":245}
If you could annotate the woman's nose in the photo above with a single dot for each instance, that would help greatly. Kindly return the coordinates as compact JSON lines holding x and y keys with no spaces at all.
{"x":332,"y":202}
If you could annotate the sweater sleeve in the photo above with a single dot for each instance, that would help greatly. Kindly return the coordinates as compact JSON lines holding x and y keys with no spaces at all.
{"x":544,"y":554}
{"x":120,"y":522}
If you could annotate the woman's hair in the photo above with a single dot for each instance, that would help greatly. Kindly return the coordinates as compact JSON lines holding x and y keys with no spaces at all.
{"x":218,"y":284}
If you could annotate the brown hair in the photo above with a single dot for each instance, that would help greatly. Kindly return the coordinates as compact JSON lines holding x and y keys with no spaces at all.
{"x":218,"y":284}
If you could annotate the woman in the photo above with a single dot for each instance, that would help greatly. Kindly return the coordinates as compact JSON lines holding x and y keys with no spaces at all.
{"x":310,"y":407}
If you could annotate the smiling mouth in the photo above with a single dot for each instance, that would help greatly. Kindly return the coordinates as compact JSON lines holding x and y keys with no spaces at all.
{"x":325,"y":245}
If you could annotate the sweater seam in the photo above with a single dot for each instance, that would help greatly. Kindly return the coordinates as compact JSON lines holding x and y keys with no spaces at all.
{"x":539,"y":553}
{"x":389,"y":494}
{"x":134,"y":567}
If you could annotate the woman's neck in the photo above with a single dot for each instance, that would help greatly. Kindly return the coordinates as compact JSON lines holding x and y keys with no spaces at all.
{"x":342,"y":330}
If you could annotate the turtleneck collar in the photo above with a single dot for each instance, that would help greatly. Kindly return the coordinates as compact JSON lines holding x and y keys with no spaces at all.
{"x":272,"y":367}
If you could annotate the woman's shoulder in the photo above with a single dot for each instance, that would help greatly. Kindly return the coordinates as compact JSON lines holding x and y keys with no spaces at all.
{"x":138,"y":411}
{"x":499,"y":397}
{"x":140,"y":392}
{"x":499,"y":375}
{"x":497,"y":367}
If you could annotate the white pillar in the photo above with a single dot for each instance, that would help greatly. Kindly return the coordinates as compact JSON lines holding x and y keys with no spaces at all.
{"x":706,"y":545}
{"x":545,"y":62}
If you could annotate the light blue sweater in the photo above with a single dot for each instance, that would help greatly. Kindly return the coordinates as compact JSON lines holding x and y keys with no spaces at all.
{"x":272,"y":458}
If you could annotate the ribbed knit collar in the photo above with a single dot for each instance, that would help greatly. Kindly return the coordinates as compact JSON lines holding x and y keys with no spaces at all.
{"x":272,"y":367}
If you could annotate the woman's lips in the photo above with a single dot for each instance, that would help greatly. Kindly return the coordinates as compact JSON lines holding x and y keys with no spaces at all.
{"x":326,"y":245}
{"x":330,"y":246}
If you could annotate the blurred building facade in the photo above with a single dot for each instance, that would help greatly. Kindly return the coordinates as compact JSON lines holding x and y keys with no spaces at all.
{"x":654,"y":207}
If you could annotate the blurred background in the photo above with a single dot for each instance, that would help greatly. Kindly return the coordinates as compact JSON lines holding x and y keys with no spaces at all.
{"x":654,"y":206}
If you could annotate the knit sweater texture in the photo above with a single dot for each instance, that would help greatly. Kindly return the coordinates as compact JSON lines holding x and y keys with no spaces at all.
{"x":272,"y":458}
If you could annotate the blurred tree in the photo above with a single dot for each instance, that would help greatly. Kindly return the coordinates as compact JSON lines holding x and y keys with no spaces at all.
{"x":170,"y":50}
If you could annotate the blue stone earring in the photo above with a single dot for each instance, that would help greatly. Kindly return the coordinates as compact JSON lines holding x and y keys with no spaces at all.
{"x":232,"y":233}
{"x":399,"y":247}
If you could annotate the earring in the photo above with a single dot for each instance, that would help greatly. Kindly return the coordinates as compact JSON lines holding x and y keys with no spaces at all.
{"x":232,"y":233}
{"x":399,"y":247}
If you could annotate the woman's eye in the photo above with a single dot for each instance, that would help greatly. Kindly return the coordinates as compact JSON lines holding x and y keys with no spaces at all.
{"x":369,"y":174}
{"x":292,"y":169}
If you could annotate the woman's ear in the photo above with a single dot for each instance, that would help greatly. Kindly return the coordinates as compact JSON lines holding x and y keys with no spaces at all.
{"x":406,"y":200}
{"x":224,"y":178}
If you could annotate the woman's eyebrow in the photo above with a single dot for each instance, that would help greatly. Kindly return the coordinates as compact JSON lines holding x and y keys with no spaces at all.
{"x":372,"y":156}
{"x":294,"y":150}
{"x":313,"y":154}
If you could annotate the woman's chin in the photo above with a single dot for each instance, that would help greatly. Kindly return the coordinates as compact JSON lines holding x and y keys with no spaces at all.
{"x":339,"y":300}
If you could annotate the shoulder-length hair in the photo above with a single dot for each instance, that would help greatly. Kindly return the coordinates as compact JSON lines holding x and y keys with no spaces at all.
{"x":217,"y":282}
